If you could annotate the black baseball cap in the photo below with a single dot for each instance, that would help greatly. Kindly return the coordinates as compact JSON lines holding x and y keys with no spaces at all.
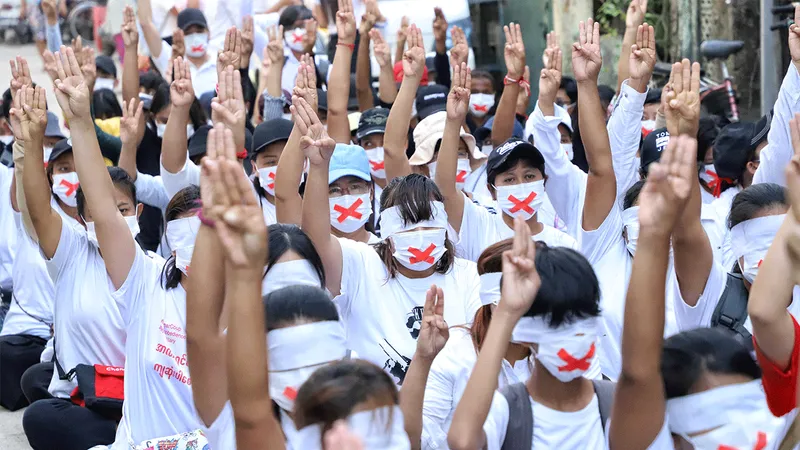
{"x":106,"y":64}
{"x":198,"y":141}
{"x":653,"y":96}
{"x":655,"y":143}
{"x":431,"y":99}
{"x":191,"y":16}
{"x":372,"y":121}
{"x":761,"y":129}
{"x":322,"y":100}
{"x":271,"y":131}
{"x":510,"y":147}
{"x":61,"y":147}
{"x":733,"y":149}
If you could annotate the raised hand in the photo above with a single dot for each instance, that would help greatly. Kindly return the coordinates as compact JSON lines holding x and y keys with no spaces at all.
{"x":433,"y":333}
{"x":310,"y":38}
{"x":636,"y":12}
{"x":552,"y":43}
{"x":402,"y":32}
{"x":306,"y":82}
{"x":668,"y":186}
{"x":274,"y":50}
{"x":683,"y":106}
{"x":88,"y":65}
{"x":30,"y":109}
{"x":16,"y":115}
{"x":178,"y":44}
{"x":521,"y":281}
{"x":49,"y":65}
{"x":231,"y":54}
{"x":248,"y":37}
{"x":131,"y":130}
{"x":794,"y":37}
{"x":586,"y":57}
{"x":643,"y":56}
{"x":72,"y":92}
{"x":550,"y":77}
{"x":49,"y":8}
{"x":346,"y":22}
{"x":514,"y":51}
{"x":130,"y":34}
{"x":458,"y":99}
{"x":315,"y":142}
{"x":228,"y":107}
{"x":20,"y":74}
{"x":523,"y":98}
{"x":181,"y":92}
{"x":414,"y":57}
{"x":369,"y":18}
{"x":381,"y":49}
{"x":439,"y":28}
{"x":459,"y":52}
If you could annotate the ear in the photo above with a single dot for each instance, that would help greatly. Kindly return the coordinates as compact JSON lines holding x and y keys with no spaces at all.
{"x":139,"y":209}
{"x":751,"y":167}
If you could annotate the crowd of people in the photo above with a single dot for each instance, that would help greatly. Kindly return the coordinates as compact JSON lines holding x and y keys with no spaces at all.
{"x":302,"y":261}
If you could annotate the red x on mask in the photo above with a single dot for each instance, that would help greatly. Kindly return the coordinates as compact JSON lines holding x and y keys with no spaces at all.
{"x":71,"y":187}
{"x":481,"y":108}
{"x":377,"y":165}
{"x":573,"y":363}
{"x":422,"y":256}
{"x":461,"y":176}
{"x":761,"y":443}
{"x":522,"y":205}
{"x":344,"y":213}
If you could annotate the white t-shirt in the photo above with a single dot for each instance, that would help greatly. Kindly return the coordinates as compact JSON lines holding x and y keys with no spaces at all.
{"x":268,"y":210}
{"x":150,"y":190}
{"x":204,"y":78}
{"x":89,"y":321}
{"x":482,"y":227}
{"x":721,"y":208}
{"x":158,"y":392}
{"x":382,"y":315}
{"x":8,"y":244}
{"x":579,"y":430}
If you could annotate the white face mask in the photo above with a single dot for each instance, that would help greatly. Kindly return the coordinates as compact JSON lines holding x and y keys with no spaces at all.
{"x":103,"y":83}
{"x":376,"y":164}
{"x":160,"y":129}
{"x":750,"y":262}
{"x":65,"y":186}
{"x":630,"y":223}
{"x":649,"y":125}
{"x":7,"y":140}
{"x":486,"y":149}
{"x":750,"y":241}
{"x":295,"y":39}
{"x":181,"y":234}
{"x":709,"y":174}
{"x":47,"y":151}
{"x":432,"y":170}
{"x":521,"y":200}
{"x":381,"y":428}
{"x":419,"y":250}
{"x":290,"y":273}
{"x":131,"y":221}
{"x":567,"y":148}
{"x":350,"y":212}
{"x":196,"y":44}
{"x":266,"y":178}
{"x":480,"y":104}
{"x":283,"y":386}
{"x":462,"y":172}
{"x":567,"y":351}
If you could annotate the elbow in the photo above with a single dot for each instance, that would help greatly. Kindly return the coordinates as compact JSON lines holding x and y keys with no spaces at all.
{"x":457,"y":440}
{"x":762,"y":315}
{"x":638,"y":374}
{"x":337,"y":109}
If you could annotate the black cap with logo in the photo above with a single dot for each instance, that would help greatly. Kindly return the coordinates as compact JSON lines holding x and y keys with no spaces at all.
{"x":271,"y":131}
{"x":653,"y":145}
{"x":733,"y":149}
{"x":372,"y":121}
{"x":431,"y":99}
{"x":191,"y":16}
{"x":512,"y":146}
{"x":61,"y":147}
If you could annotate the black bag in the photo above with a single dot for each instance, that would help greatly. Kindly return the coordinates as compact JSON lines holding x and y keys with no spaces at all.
{"x":731,"y":310}
{"x":100,"y":388}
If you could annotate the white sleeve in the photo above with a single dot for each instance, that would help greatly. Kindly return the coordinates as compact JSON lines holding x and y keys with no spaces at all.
{"x":689,"y":317}
{"x":597,"y":243}
{"x":566,"y":183}
{"x":475,"y":224}
{"x":70,"y":243}
{"x":496,"y":423}
{"x":438,"y":403}
{"x":776,"y":155}
{"x":162,"y":62}
{"x":624,"y":134}
{"x":353,"y":269}
{"x":150,"y":191}
{"x":187,"y":176}
{"x":144,"y":270}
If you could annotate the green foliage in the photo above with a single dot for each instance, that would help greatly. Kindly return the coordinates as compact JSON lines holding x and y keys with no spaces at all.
{"x":610,"y":14}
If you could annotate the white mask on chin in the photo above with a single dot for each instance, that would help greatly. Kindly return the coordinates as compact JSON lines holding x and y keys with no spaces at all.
{"x":160,"y":129}
{"x":131,"y":221}
{"x":266,"y":178}
{"x":104,"y":83}
{"x":432,"y":170}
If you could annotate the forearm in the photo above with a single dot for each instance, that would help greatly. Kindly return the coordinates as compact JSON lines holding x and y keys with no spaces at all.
{"x":151,"y":35}
{"x":36,"y":191}
{"x":400,"y":50}
{"x":623,"y":66}
{"x":503,"y":126}
{"x":363,"y":74}
{"x":315,"y":220}
{"x":412,"y":396}
{"x":338,"y":126}
{"x":92,"y":172}
{"x":442,"y":65}
{"x":593,"y":129}
{"x":775,"y":156}
{"x":387,"y":88}
{"x":447,"y":162}
{"x":130,"y":74}
{"x":624,"y":136}
{"x":288,"y":203}
{"x":692,"y":250}
{"x":127,"y":160}
{"x":396,"y":138}
{"x":174,"y":144}
{"x":53,"y":36}
{"x":19,"y":191}
{"x":274,"y":75}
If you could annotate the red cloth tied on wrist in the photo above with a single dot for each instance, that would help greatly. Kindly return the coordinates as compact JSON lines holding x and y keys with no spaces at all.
{"x":241,"y":154}
{"x":521,"y":81}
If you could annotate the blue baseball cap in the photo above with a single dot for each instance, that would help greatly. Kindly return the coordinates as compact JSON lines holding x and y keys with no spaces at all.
{"x":349,"y":160}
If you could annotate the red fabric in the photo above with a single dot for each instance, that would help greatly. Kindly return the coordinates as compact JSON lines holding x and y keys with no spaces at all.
{"x":398,"y":74}
{"x":779,"y":385}
{"x":109,"y":382}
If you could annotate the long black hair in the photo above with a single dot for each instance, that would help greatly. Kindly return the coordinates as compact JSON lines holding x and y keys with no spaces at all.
{"x":119,"y":178}
{"x":297,"y":305}
{"x":197,"y":117}
{"x":285,"y":237}
{"x":105,"y":104}
{"x":185,"y":201}
{"x":754,"y":199}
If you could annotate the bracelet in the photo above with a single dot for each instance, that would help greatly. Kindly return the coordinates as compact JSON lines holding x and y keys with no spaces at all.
{"x":521,"y":81}
{"x":350,"y":46}
{"x":205,"y":220}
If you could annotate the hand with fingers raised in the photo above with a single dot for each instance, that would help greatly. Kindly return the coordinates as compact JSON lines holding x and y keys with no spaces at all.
{"x":49,"y":60}
{"x":414,"y":57}
{"x":550,"y":79}
{"x":402,"y":32}
{"x":231,"y":54}
{"x":130,"y":34}
{"x":274,"y":50}
{"x":72,"y":92}
{"x":369,"y":18}
{"x":88,"y":66}
{"x":181,"y":92}
{"x":380,"y":48}
{"x":433,"y":333}
{"x":683,"y":105}
{"x":346,"y":23}
{"x":228,"y":107}
{"x":458,"y":99}
{"x":643,"y":57}
{"x":248,"y":38}
{"x":310,"y":38}
{"x":552,"y":44}
{"x":439,"y":29}
{"x":521,"y":281}
{"x":586,"y":57}
{"x":20,"y":74}
{"x":636,"y":13}
{"x":16,"y":115}
{"x":315,"y":143}
{"x":306,"y":83}
{"x":178,"y":44}
{"x":459,"y":52}
{"x":668,"y":186}
{"x":130,"y":129}
{"x":30,"y":111}
{"x":514,"y":52}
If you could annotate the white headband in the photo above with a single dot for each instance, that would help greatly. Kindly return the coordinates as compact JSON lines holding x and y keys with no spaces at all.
{"x":181,"y":233}
{"x":713,"y":408}
{"x":537,"y":330}
{"x":490,"y":288}
{"x":380,"y":428}
{"x":392,"y":223}
{"x":306,"y":345}
{"x":755,"y":234}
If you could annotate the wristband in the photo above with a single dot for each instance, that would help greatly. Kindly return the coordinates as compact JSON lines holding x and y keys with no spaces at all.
{"x":350,"y":46}
{"x":205,"y":220}
{"x":521,"y":81}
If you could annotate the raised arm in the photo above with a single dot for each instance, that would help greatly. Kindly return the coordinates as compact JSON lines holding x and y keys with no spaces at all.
{"x":363,"y":66}
{"x":181,"y":96}
{"x":520,"y":284}
{"x":447,"y":162}
{"x":318,"y":147}
{"x":402,"y":38}
{"x":269,"y":80}
{"x":205,"y":326}
{"x":242,"y":233}
{"x":52,"y":29}
{"x":601,"y":184}
{"x":288,"y":203}
{"x":130,"y":67}
{"x":639,"y":403}
{"x":114,"y":239}
{"x":338,"y":124}
{"x":514,"y":53}
{"x":131,"y":131}
{"x":387,"y":89}
{"x":440,"y":60}
{"x":20,"y":76}
{"x":635,"y":17}
{"x":433,"y":335}
{"x":395,"y":140}
{"x":228,"y":106}
{"x":151,"y":35}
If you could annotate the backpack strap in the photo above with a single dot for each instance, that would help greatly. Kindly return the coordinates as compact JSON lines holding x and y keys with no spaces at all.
{"x":604,"y":390}
{"x":731,"y":310}
{"x":519,"y":432}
